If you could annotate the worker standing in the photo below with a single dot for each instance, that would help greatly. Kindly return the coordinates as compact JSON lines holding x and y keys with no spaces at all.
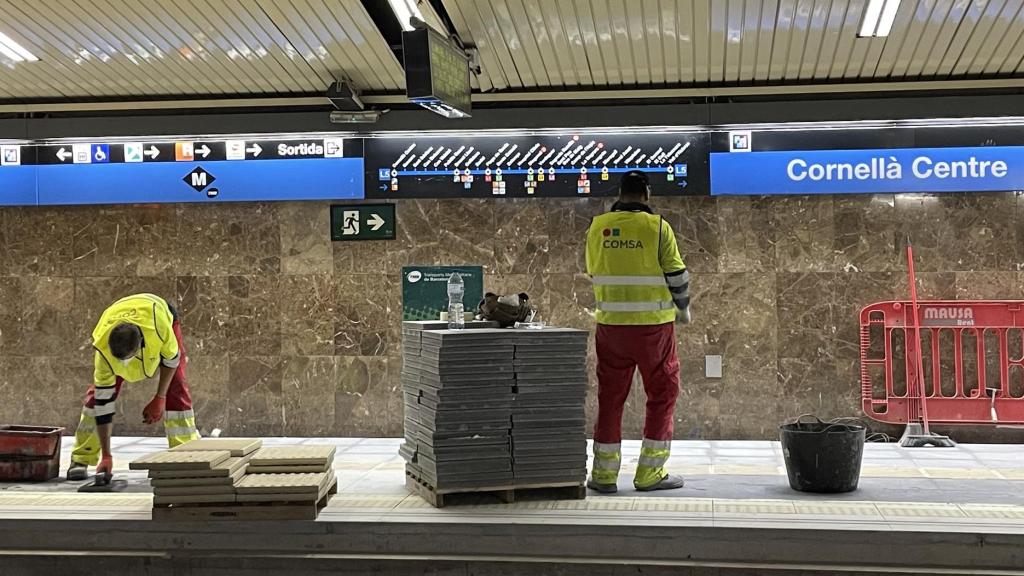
{"x":136,"y":337}
{"x":641,"y":286}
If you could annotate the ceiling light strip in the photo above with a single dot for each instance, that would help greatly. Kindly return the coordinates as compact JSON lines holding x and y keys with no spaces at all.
{"x":879,"y":16}
{"x":15,"y":51}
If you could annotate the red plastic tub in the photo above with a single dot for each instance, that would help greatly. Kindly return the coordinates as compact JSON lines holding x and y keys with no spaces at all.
{"x":29,"y":453}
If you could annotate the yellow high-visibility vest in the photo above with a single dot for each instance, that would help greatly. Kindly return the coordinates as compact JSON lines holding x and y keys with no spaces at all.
{"x":628,"y":255}
{"x":153,"y":316}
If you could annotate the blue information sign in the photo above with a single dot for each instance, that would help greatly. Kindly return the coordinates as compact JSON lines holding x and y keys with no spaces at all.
{"x":975,"y":169}
{"x":217,"y":181}
{"x":17,"y":185}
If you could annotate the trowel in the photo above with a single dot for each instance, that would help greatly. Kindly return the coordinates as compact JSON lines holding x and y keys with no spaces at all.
{"x":103,"y":483}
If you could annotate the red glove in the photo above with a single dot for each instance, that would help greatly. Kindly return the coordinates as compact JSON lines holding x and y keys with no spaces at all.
{"x":106,"y":465}
{"x":154,"y":411}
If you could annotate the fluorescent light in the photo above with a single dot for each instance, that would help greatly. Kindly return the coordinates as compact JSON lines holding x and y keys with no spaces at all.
{"x":888,"y":17}
{"x":15,"y":51}
{"x":404,"y":10}
{"x":878,"y":18}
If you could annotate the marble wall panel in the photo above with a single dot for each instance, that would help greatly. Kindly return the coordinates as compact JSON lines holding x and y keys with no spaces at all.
{"x":747,"y":234}
{"x":806,"y":319}
{"x":229,"y":239}
{"x":816,"y":386}
{"x":36,"y":241}
{"x":203,"y":304}
{"x":521,"y":238}
{"x":958,"y":232}
{"x":465,"y":233}
{"x":566,"y":222}
{"x":698,"y":230}
{"x":289,"y":333}
{"x":43,"y":390}
{"x":254,"y":315}
{"x":805,"y":234}
{"x":865,"y":233}
{"x":368,"y":314}
{"x":305,"y":238}
{"x":309,"y":388}
{"x":126,"y":240}
{"x":257,"y":397}
{"x":748,"y":396}
{"x":209,"y":380}
{"x":37,"y":315}
{"x":989,"y":285}
{"x":732,"y":314}
{"x":308,"y":314}
{"x":365,"y":400}
{"x":416,"y":239}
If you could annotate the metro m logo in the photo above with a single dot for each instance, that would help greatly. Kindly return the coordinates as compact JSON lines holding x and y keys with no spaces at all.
{"x":199,"y":179}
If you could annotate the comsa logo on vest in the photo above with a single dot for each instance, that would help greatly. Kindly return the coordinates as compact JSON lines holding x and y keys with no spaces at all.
{"x":613,"y":240}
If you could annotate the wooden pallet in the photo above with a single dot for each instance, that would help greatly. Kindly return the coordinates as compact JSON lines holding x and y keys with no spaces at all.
{"x":507,"y":494}
{"x":244,"y":510}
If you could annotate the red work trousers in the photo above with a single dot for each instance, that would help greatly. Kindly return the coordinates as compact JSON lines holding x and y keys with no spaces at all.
{"x":621,"y":350}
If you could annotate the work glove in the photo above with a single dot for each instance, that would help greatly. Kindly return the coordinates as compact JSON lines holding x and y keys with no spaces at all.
{"x":154,"y":411}
{"x":106,"y":466}
{"x":683,"y":316}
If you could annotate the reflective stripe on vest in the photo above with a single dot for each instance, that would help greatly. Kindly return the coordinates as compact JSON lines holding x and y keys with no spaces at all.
{"x":635,"y":306}
{"x":628,"y":280}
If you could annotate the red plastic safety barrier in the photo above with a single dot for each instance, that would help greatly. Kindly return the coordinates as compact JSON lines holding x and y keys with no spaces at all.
{"x":972,"y":358}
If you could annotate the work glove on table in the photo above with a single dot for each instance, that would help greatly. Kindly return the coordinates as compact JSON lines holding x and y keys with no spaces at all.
{"x":683,"y":315}
{"x":154,"y":411}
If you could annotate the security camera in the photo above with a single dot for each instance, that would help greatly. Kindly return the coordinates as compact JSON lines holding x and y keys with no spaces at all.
{"x":343,"y":96}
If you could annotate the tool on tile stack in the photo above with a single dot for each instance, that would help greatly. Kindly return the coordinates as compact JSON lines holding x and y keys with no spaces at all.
{"x":549,"y":440}
{"x":465,"y":428}
{"x":458,"y":404}
{"x":219,"y":478}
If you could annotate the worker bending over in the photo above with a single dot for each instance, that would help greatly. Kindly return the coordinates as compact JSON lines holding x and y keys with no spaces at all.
{"x":642,"y":287}
{"x":136,"y":337}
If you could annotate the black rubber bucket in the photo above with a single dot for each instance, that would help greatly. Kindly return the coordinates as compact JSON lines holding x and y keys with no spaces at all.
{"x":823,"y":456}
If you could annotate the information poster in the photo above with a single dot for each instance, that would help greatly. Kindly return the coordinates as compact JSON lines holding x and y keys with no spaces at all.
{"x":425,"y":290}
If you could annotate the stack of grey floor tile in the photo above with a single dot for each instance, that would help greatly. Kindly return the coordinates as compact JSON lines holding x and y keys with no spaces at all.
{"x":493,"y":408}
{"x":549,"y":441}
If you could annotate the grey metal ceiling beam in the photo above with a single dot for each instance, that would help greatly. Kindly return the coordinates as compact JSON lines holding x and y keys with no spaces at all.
{"x":651,"y":114}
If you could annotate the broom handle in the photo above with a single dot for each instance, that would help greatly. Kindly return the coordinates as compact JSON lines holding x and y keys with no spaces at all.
{"x":918,"y":358}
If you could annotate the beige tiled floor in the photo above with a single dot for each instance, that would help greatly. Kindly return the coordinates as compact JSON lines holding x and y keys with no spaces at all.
{"x":980,"y":488}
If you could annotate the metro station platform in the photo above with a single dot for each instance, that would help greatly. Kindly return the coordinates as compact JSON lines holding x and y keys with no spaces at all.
{"x":924,"y":511}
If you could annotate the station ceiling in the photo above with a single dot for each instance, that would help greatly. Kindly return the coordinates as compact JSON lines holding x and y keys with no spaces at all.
{"x":203,"y":52}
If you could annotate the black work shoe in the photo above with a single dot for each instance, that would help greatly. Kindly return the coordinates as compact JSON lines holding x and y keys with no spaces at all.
{"x":602,"y":488}
{"x":78,"y":471}
{"x":669,"y":482}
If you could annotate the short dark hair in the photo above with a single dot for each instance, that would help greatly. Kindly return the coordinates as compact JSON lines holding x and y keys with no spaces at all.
{"x":125,"y":339}
{"x":634,"y":184}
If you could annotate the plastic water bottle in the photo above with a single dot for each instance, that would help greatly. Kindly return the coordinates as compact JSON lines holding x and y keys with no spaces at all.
{"x":456,"y":289}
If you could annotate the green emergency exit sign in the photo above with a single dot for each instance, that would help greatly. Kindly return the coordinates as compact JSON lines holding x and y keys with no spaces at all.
{"x":363,"y":222}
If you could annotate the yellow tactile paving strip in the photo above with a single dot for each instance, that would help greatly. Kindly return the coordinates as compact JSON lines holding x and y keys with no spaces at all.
{"x":167,"y":460}
{"x":237,"y":446}
{"x":623,"y":506}
{"x":284,"y":455}
{"x":229,"y":467}
{"x":281,"y":483}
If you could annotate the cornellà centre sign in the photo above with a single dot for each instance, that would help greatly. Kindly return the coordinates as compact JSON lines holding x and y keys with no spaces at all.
{"x":974,"y":169}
